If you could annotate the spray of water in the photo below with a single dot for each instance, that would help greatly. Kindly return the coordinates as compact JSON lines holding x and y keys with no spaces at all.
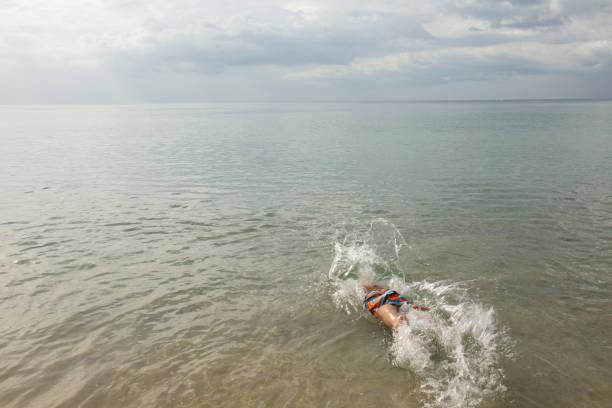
{"x":455,"y":349}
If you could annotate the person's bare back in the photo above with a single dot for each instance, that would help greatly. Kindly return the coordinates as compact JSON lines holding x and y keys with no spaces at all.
{"x":384,"y":304}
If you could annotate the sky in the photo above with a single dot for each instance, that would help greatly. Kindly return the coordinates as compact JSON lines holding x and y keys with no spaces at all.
{"x":175,"y":51}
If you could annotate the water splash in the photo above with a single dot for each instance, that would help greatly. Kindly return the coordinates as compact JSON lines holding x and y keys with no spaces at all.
{"x":455,"y":349}
{"x":366,"y":258}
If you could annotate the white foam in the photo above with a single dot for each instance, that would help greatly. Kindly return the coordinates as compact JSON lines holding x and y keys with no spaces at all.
{"x":455,"y":349}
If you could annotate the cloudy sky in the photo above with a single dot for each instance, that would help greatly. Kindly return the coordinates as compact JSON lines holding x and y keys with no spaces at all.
{"x":108,"y":51}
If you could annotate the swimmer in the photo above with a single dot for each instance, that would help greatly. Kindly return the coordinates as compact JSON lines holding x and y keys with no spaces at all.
{"x":384,"y":304}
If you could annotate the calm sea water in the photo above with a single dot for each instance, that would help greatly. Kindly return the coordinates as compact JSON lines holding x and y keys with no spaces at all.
{"x":209,"y":255}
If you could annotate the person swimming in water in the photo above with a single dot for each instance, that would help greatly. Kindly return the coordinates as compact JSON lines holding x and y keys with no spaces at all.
{"x":384,"y":304}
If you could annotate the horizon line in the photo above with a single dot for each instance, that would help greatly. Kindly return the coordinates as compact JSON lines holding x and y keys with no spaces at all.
{"x":497,"y":100}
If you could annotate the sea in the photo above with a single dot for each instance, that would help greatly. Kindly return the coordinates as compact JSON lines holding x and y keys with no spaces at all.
{"x":211,"y":255}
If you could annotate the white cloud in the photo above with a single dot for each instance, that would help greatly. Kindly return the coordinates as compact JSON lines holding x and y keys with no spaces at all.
{"x":556,"y":7}
{"x":558,"y":58}
{"x":279,"y":45}
{"x":452,"y":26}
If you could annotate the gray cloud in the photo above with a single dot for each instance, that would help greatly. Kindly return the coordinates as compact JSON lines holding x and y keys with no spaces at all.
{"x":159,"y":50}
{"x":337,"y":39}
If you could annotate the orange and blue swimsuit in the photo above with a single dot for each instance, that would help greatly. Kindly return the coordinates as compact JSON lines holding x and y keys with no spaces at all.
{"x":376,"y":298}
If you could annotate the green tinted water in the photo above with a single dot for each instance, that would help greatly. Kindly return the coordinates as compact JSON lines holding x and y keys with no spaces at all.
{"x":174,"y":256}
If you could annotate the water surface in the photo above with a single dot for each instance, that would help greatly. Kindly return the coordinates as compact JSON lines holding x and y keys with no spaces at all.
{"x":198,"y":255}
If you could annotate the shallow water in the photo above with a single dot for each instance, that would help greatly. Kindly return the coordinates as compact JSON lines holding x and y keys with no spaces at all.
{"x":199,"y":255}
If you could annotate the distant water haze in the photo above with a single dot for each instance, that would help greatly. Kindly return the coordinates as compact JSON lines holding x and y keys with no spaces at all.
{"x":211,"y":254}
